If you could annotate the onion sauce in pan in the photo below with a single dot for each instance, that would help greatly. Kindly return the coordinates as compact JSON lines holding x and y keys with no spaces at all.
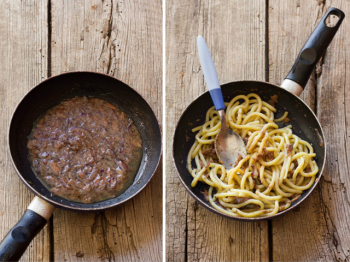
{"x":85,"y":150}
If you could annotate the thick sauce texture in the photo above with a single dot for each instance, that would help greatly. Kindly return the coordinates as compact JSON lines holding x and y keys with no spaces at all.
{"x":85,"y":150}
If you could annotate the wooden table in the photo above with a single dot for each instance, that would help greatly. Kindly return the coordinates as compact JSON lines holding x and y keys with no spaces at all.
{"x":259,"y":40}
{"x":39,"y":39}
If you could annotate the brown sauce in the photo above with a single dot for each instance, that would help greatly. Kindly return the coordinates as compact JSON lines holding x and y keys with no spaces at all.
{"x":85,"y":150}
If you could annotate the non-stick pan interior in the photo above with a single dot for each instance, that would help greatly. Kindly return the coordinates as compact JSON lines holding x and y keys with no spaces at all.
{"x":56,"y":89}
{"x":304,"y":123}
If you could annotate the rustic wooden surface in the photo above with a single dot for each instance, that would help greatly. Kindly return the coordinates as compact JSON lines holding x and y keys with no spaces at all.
{"x":24,"y":48}
{"x":318,"y":230}
{"x":121,"y":38}
{"x":235,"y":32}
{"x":244,"y":46}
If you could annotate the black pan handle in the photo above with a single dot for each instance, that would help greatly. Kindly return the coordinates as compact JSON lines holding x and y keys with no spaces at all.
{"x":18,"y":239}
{"x":311,"y":52}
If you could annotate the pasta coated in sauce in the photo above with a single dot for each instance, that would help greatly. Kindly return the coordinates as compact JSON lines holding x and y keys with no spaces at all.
{"x":278,"y":166}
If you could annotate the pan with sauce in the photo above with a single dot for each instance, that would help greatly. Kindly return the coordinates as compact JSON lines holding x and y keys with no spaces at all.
{"x":85,"y":150}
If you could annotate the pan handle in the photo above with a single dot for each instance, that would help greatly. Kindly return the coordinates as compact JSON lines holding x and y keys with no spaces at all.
{"x":18,"y":239}
{"x":311,"y":53}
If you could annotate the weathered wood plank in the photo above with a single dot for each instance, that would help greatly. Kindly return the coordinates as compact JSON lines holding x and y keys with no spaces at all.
{"x":333,"y":110}
{"x":235,"y":33}
{"x":290,"y":25}
{"x":124,"y":39}
{"x":23,"y":55}
{"x":317,"y":231}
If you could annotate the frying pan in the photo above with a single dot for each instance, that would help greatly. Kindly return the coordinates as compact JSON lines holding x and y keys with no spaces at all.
{"x":303,"y":120}
{"x":36,"y":102}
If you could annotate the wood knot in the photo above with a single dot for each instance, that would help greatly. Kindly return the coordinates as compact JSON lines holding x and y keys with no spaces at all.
{"x":230,"y":240}
{"x":195,"y":206}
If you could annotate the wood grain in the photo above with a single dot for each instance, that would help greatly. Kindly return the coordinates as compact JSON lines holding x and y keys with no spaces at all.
{"x":235,"y":33}
{"x":334,"y":114}
{"x":290,"y":25}
{"x":123,"y":39}
{"x":23,"y":43}
{"x":317,"y":230}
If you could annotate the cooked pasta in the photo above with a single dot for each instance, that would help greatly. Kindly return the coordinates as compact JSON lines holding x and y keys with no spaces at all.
{"x":278,"y":166}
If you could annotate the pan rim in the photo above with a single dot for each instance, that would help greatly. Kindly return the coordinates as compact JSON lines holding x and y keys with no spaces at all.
{"x":254,"y":219}
{"x":83,"y":209}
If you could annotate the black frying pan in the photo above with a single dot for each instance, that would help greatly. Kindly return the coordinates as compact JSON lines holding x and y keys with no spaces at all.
{"x":303,"y":120}
{"x":36,"y":102}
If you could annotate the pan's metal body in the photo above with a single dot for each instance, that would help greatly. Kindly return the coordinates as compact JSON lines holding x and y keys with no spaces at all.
{"x":58,"y":88}
{"x":303,"y":120}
